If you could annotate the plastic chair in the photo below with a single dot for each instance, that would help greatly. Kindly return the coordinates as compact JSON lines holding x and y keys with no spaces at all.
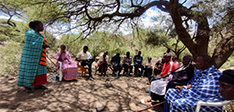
{"x":59,"y":71}
{"x":214,"y":104}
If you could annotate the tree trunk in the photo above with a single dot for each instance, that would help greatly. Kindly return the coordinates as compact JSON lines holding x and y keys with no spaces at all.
{"x":225,"y":48}
{"x":200,"y":45}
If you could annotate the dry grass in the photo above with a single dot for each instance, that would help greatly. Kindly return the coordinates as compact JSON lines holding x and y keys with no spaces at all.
{"x":10,"y":58}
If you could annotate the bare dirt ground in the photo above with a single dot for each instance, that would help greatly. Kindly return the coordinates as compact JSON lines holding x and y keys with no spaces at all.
{"x":76,"y":96}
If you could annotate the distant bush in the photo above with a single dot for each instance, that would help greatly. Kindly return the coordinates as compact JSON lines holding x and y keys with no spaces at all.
{"x":10,"y":55}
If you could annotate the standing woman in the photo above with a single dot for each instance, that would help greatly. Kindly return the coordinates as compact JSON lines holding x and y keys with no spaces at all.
{"x":32,"y":70}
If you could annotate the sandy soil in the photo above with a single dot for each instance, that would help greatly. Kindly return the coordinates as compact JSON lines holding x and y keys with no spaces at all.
{"x":76,"y":96}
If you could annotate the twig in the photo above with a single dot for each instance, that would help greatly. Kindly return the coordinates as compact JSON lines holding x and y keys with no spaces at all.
{"x":152,"y":106}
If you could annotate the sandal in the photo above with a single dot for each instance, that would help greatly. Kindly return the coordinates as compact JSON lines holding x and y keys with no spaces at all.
{"x":40,"y":87}
{"x":28,"y":90}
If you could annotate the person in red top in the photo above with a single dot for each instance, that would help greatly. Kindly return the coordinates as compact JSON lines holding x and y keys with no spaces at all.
{"x":168,"y":66}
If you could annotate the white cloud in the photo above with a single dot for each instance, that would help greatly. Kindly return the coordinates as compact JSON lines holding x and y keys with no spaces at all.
{"x":148,"y":17}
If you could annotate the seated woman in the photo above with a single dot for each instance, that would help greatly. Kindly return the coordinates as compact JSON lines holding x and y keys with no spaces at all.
{"x":69,"y":67}
{"x":148,"y":67}
{"x":180,"y":76}
{"x":103,"y":63}
{"x":174,"y":59}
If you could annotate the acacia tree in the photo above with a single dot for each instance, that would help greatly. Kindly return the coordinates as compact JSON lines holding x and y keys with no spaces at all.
{"x":90,"y":15}
{"x":162,"y":38}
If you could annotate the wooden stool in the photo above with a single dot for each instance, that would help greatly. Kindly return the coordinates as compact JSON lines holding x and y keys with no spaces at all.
{"x":83,"y":70}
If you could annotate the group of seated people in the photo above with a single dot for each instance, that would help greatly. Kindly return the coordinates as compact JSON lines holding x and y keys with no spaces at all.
{"x":182,"y":87}
{"x":85,"y":59}
{"x":139,"y":68}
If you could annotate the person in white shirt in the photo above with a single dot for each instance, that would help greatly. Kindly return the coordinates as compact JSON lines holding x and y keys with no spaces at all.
{"x":103,"y":63}
{"x":86,"y":60}
{"x":148,"y":67}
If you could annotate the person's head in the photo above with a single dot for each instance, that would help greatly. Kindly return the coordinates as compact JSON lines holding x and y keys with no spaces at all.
{"x":63,"y":47}
{"x":226,"y":82}
{"x":117,"y":54}
{"x":167,"y":57}
{"x":85,"y":49}
{"x":36,"y":25}
{"x":139,"y":53}
{"x":158,"y":62}
{"x":187,"y":60}
{"x":128,"y":54}
{"x":174,"y":58}
{"x":203,"y":62}
{"x":149,"y":59}
{"x":106,"y":53}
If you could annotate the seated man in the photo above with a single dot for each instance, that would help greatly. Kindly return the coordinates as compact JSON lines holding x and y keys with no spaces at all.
{"x":127,"y":61}
{"x":86,"y":60}
{"x":168,"y":67}
{"x":148,"y":67}
{"x":158,"y":67}
{"x":69,"y":68}
{"x":226,"y":82}
{"x":138,"y":64}
{"x":181,"y":76}
{"x":115,"y":60}
{"x":204,"y":87}
{"x":103,"y":63}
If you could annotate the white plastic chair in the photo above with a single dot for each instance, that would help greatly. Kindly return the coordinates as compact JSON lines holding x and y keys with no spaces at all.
{"x":60,"y":73}
{"x":214,"y":104}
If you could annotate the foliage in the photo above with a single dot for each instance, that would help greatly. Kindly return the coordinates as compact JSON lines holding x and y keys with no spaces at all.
{"x":156,"y":37}
{"x":100,"y":42}
{"x":10,"y":55}
{"x":12,"y":33}
{"x":90,"y":15}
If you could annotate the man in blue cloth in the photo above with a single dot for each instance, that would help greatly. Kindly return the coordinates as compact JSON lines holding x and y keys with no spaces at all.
{"x":204,"y":86}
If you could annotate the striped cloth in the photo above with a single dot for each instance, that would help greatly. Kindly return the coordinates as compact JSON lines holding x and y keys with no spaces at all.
{"x":43,"y":55}
{"x":205,"y":87}
{"x":30,"y":57}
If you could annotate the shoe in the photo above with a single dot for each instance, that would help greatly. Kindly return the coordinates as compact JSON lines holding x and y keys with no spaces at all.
{"x":86,"y":66}
{"x":142,"y":101}
{"x":28,"y":90}
{"x":40,"y":87}
{"x":91,"y":78}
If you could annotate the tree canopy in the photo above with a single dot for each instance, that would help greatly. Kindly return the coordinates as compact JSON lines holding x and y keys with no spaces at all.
{"x":212,"y":18}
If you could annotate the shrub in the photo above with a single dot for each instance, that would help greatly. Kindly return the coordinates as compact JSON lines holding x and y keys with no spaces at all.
{"x":10,"y":55}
